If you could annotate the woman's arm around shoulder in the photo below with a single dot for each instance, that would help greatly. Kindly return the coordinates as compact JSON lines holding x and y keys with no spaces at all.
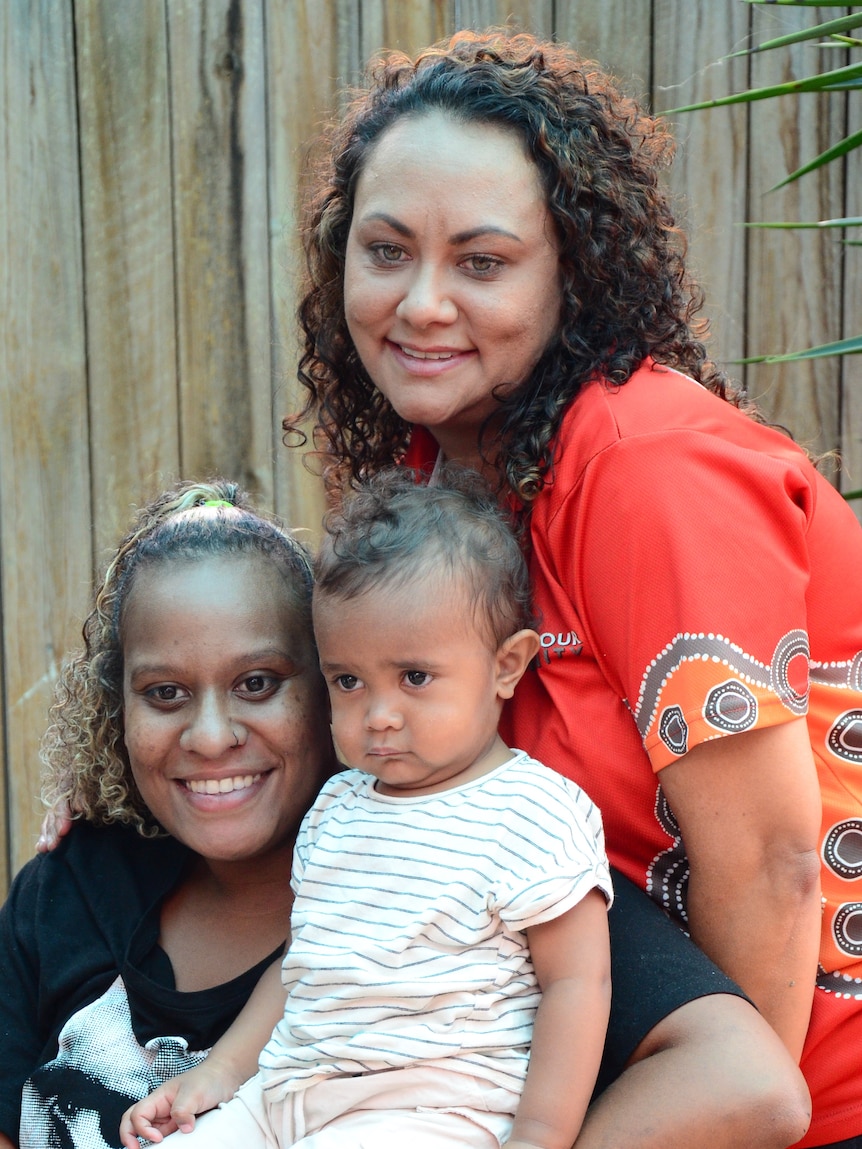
{"x":55,"y":826}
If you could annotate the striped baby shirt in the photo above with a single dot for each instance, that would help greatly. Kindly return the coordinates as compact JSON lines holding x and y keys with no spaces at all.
{"x":408,"y":929}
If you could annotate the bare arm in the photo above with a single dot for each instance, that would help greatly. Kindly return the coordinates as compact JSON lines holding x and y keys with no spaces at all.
{"x":749,"y":810}
{"x":572,"y":962}
{"x":5,"y":1143}
{"x":231,"y":1061}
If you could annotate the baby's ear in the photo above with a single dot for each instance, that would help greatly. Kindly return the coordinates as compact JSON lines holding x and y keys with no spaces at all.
{"x":513,"y":658}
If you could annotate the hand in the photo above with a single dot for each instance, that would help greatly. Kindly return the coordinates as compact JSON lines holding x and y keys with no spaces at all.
{"x":150,"y":1119}
{"x":176,"y":1103}
{"x":55,"y":825}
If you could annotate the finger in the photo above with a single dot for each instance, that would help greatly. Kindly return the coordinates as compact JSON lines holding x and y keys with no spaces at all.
{"x":184,"y":1118}
{"x":138,"y":1123}
{"x":55,"y":825}
{"x":133,"y":1126}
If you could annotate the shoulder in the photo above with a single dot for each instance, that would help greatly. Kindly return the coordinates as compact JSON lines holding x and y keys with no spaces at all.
{"x":658,"y":400}
{"x":552,"y":781}
{"x":70,"y":913}
{"x":91,"y":848}
{"x":101,"y":865}
{"x":341,"y":789}
{"x":345,"y":782}
{"x":662,"y":431}
{"x":547,"y":791}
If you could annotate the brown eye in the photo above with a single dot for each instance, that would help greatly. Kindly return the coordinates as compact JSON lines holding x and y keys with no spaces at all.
{"x":166,"y":694}
{"x":259,"y":685}
{"x":347,"y":682}
{"x":483,"y":265}
{"x":388,"y":252}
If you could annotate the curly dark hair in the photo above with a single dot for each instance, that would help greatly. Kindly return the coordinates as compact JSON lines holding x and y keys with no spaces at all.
{"x":86,"y":764}
{"x":626,"y":293}
{"x":393,"y":531}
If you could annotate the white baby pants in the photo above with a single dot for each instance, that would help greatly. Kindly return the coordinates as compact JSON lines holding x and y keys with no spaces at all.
{"x":421,"y":1107}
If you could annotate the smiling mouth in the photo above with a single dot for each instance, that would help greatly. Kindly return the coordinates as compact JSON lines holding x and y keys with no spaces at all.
{"x":222,"y":785}
{"x":412,"y":353}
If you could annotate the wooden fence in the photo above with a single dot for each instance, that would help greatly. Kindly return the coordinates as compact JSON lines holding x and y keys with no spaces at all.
{"x":152,"y":152}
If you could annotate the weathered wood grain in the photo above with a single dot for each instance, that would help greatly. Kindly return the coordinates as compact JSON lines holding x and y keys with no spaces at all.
{"x":218,"y":134}
{"x":536,"y":16}
{"x":616,"y":35}
{"x":311,"y":59}
{"x":404,"y":24}
{"x":45,"y":522}
{"x":129,"y":249}
{"x":710,"y":170}
{"x":794,"y":280}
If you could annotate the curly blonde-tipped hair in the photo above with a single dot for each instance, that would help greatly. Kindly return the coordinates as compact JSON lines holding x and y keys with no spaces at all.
{"x":86,"y":765}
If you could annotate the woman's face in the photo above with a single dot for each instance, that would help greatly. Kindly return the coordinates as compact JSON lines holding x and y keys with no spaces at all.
{"x":452,"y":280}
{"x":225,"y":717}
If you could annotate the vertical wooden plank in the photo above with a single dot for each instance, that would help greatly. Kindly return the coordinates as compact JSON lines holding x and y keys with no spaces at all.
{"x":794,"y":288}
{"x":218,"y":104}
{"x":851,"y":365}
{"x":536,"y":16}
{"x":406,"y":24}
{"x":44,"y":465}
{"x":128,"y":234}
{"x":616,"y":35}
{"x":710,"y":171}
{"x":312,"y":53}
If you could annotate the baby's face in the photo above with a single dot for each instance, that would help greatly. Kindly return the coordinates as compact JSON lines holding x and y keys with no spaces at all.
{"x":413,"y":684}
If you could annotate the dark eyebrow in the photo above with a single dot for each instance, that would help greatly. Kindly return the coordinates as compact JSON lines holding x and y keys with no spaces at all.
{"x":478,"y":232}
{"x":455,"y":240}
{"x":394,"y":223}
{"x":252,"y":658}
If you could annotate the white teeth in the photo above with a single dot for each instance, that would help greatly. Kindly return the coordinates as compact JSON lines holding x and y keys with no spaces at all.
{"x":427,"y":354}
{"x":222,"y":785}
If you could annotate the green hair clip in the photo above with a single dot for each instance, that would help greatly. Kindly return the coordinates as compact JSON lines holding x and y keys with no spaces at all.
{"x":215,"y":503}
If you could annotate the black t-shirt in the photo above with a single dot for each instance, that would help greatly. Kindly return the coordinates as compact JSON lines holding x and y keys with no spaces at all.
{"x":79,"y":949}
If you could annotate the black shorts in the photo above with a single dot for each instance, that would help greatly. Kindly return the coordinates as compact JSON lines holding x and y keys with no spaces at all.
{"x":655,"y":968}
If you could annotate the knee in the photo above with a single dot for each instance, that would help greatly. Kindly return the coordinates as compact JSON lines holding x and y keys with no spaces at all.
{"x":771,"y":1096}
{"x":757,"y":1091}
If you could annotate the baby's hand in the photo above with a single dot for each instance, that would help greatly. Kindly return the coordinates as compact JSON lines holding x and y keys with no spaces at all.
{"x":174,"y":1105}
{"x":150,"y":1118}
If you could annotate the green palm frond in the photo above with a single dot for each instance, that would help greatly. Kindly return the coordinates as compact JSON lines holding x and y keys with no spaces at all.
{"x":832,"y":28}
{"x":838,"y":79}
{"x":852,"y":346}
{"x":790,"y":225}
{"x":848,"y":144}
{"x":802,"y":3}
